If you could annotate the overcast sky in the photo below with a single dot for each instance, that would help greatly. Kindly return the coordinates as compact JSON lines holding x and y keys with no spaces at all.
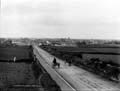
{"x":91,"y":19}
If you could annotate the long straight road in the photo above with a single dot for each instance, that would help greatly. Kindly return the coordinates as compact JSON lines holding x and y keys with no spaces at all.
{"x":79,"y":78}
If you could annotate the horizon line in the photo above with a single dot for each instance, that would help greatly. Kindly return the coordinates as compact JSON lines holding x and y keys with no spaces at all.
{"x":56,"y":38}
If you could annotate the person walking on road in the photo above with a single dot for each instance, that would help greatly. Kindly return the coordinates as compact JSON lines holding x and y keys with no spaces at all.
{"x":55,"y":63}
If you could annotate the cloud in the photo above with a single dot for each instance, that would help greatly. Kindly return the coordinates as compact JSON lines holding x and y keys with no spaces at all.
{"x":61,"y":18}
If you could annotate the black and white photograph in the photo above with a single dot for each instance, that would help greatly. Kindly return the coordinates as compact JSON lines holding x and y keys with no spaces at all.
{"x":59,"y":45}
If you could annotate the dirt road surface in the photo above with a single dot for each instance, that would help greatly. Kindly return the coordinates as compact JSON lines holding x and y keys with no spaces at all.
{"x":79,"y":78}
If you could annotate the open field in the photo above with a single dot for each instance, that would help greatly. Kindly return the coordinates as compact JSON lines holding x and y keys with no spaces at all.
{"x":20,"y":52}
{"x":105,"y":54}
{"x":17,"y":74}
{"x":92,"y":50}
{"x":24,"y":74}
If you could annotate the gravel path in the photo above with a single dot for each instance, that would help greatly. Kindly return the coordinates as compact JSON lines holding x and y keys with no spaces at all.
{"x":79,"y":78}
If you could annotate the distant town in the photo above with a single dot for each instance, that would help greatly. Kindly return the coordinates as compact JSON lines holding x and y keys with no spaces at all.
{"x":59,"y":41}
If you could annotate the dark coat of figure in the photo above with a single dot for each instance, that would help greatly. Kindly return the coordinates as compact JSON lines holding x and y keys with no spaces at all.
{"x":55,"y":63}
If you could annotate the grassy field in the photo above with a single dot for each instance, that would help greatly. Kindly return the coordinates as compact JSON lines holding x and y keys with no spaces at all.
{"x":12,"y":73}
{"x":17,"y":74}
{"x":20,"y":52}
{"x":114,"y":51}
{"x":25,"y":71}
